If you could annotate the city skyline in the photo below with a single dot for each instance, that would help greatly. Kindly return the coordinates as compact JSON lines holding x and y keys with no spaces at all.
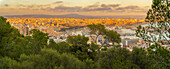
{"x":81,"y":7}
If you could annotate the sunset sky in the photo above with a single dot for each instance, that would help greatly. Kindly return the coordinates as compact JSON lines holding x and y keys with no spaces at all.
{"x":82,"y":7}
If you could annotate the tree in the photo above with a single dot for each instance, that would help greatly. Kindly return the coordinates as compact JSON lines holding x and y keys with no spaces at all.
{"x":157,"y":33}
{"x":10,"y":40}
{"x":38,"y":40}
{"x":61,"y":47}
{"x":159,"y":57}
{"x":50,"y":59}
{"x":80,"y":48}
{"x":52,"y":44}
{"x":68,"y":61}
{"x":77,"y":40}
{"x":159,"y":20}
{"x":116,"y":58}
{"x":113,"y":36}
{"x":8,"y":63}
{"x":96,"y":30}
{"x":139,"y":57}
{"x":90,"y":64}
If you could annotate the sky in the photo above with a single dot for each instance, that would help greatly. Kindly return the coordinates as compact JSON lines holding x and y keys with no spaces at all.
{"x":81,"y":7}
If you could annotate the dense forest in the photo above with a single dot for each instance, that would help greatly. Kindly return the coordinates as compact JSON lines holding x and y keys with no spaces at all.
{"x":37,"y":51}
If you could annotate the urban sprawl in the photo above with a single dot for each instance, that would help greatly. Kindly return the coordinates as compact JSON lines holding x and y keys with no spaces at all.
{"x":60,"y":28}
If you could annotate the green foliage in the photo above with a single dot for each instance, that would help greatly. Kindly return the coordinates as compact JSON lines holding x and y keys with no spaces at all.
{"x":50,"y":59}
{"x":126,"y":64}
{"x":159,"y":11}
{"x":113,"y":36}
{"x":159,"y":18}
{"x":117,"y":58}
{"x":90,"y":64}
{"x":70,"y":62}
{"x":38,"y":40}
{"x":61,"y":47}
{"x":39,"y":37}
{"x":77,"y":40}
{"x":8,"y":63}
{"x":13,"y":44}
{"x":97,"y":30}
{"x":47,"y":59}
{"x":140,"y":58}
{"x":80,"y":48}
{"x":159,"y":57}
{"x":52,"y":44}
{"x":9,"y":37}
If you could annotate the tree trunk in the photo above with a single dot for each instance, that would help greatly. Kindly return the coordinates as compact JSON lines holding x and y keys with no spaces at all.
{"x":96,"y":39}
{"x":99,"y":58}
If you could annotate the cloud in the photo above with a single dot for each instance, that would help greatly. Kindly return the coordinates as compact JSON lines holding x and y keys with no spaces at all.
{"x":76,"y":9}
{"x":110,"y":5}
{"x":128,"y":7}
{"x":96,"y":9}
{"x":89,"y":8}
{"x":92,"y":6}
{"x":6,"y":5}
{"x":63,"y":8}
{"x":66,"y":8}
{"x":57,"y":2}
{"x":100,"y":7}
{"x":21,"y":5}
{"x":33,"y":6}
{"x":95,"y":5}
{"x":131,"y":9}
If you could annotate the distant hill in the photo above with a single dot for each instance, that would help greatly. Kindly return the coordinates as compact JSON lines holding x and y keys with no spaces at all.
{"x":77,"y":16}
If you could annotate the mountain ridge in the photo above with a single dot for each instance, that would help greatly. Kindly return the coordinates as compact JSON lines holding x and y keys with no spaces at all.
{"x":77,"y":16}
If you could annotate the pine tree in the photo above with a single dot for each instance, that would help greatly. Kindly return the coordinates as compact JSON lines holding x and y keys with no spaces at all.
{"x":159,"y":28}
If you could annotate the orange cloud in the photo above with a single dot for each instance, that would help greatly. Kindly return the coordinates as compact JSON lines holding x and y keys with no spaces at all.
{"x":55,"y":8}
